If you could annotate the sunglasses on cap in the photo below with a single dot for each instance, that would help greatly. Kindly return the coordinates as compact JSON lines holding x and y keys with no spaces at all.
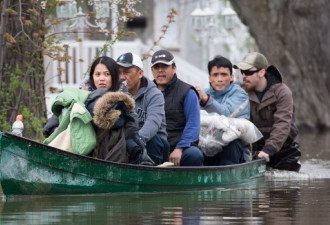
{"x":249,"y":72}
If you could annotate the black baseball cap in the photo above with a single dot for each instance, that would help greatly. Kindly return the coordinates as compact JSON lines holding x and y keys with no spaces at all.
{"x":162,"y":56}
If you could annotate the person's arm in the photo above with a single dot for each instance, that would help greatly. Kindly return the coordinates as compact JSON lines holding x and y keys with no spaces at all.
{"x":132,"y":127}
{"x":282,"y":123}
{"x":231,"y":103}
{"x":191,"y":131}
{"x":202,"y":96}
{"x":192,"y":113}
{"x":155,"y":113}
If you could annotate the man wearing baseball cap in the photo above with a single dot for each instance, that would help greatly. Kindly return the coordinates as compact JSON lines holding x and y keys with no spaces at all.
{"x":181,"y":110}
{"x":149,"y":105}
{"x":272,"y":111}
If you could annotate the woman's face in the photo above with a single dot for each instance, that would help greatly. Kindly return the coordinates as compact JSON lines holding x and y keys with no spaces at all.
{"x":102,"y":77}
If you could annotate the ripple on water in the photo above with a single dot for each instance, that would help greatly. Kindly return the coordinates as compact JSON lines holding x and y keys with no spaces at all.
{"x":310,"y":169}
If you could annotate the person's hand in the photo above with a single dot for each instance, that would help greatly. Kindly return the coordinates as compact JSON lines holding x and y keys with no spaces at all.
{"x":263,"y":155}
{"x":202,"y":95}
{"x":175,"y":156}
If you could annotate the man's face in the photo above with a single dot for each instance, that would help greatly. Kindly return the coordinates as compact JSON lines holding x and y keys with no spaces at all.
{"x":132,"y":75}
{"x":220,"y":78}
{"x":163,"y":74}
{"x":250,"y":79}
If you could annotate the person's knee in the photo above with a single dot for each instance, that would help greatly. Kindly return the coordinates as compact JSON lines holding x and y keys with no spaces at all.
{"x":234,"y":153}
{"x":158,"y":149}
{"x":192,"y":156}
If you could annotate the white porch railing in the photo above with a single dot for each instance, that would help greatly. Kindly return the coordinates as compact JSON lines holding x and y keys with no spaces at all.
{"x":62,"y":74}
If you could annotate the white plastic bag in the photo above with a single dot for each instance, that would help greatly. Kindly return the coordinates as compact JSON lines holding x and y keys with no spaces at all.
{"x":218,"y":131}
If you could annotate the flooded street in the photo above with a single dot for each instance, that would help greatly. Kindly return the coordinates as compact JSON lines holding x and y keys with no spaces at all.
{"x":280,"y":198}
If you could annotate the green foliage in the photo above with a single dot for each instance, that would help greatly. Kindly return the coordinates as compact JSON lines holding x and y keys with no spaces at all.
{"x":21,"y":68}
{"x":6,"y":99}
{"x":14,"y":89}
{"x":33,"y":124}
{"x":4,"y":107}
{"x":27,"y":38}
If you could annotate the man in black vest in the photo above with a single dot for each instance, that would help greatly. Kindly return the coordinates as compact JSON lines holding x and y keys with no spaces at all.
{"x":181,"y":111}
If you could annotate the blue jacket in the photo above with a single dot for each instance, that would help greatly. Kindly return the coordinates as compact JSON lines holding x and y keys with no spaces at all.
{"x":226,"y":101}
{"x":149,"y":105}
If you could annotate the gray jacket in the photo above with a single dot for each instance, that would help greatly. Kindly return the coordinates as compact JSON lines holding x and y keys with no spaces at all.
{"x":149,"y":105}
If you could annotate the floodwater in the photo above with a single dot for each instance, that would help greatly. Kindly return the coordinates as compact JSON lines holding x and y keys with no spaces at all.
{"x":280,"y":198}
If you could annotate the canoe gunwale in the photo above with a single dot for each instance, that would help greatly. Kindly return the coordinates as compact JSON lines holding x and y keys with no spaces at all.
{"x":124,"y":165}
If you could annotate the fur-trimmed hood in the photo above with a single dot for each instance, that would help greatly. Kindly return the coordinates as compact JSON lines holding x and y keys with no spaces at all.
{"x":112,"y":106}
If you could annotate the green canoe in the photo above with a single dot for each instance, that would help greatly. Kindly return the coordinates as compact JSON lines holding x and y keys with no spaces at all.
{"x":31,"y":168}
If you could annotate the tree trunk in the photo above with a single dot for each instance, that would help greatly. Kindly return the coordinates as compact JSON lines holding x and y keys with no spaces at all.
{"x":294,"y":35}
{"x":22,"y":72}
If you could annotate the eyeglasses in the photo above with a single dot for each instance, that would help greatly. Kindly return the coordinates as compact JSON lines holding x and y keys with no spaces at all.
{"x":249,"y":72}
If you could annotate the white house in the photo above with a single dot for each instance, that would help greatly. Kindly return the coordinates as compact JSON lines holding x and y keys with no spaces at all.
{"x":180,"y":39}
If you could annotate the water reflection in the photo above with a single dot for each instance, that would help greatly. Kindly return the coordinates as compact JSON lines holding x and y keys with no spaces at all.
{"x":200,"y":207}
{"x":267,"y":202}
{"x":247,"y":203}
{"x":279,"y":198}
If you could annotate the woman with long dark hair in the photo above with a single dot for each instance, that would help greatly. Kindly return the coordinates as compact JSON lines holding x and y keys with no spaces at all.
{"x":114,"y":119}
{"x":103,"y":69}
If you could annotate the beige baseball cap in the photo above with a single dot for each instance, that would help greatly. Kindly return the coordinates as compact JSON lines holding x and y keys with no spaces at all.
{"x":253,"y":59}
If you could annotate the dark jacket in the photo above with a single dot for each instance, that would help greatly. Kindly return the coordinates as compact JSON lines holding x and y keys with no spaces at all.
{"x":116,"y":126}
{"x":175,"y":94}
{"x":111,"y":114}
{"x":274,"y":115}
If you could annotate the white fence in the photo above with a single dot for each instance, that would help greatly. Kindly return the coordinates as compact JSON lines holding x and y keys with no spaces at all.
{"x":61,"y":74}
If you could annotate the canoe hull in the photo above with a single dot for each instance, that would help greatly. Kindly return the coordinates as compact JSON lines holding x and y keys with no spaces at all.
{"x":30,"y":168}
